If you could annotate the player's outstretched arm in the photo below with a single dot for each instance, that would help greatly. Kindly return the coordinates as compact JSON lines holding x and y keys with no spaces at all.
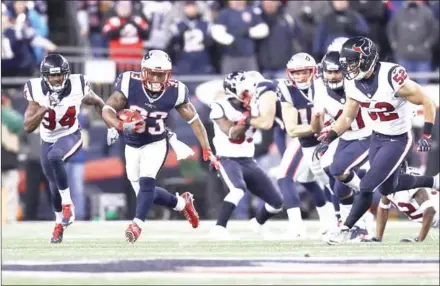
{"x":382,"y":216}
{"x":349,"y":113}
{"x":422,"y":198}
{"x":116,"y":102}
{"x":413,"y":92}
{"x":92,"y":99}
{"x":267,"y":107}
{"x":33,"y":115}
{"x":189,"y":113}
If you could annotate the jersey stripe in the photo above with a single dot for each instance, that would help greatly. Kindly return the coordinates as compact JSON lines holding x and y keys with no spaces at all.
{"x":81,"y":78}
{"x":390,"y":73}
{"x":29,"y":87}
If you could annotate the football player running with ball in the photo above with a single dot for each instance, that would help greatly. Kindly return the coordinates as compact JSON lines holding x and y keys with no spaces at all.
{"x":153,"y":94}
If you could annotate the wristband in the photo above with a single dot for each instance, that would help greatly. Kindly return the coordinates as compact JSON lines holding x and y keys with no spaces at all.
{"x":384,"y":206}
{"x":427,"y":129}
{"x":332,"y":135}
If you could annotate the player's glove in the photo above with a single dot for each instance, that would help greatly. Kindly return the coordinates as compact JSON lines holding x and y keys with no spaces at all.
{"x":373,"y":239}
{"x":424,"y":144}
{"x":409,"y":240}
{"x":112,"y":136}
{"x":208,"y":156}
{"x":137,"y":126}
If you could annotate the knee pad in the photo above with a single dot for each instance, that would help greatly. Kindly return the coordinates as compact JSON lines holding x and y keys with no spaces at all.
{"x":147,"y":184}
{"x":55,"y":155}
{"x":273,"y":210}
{"x":234,"y":196}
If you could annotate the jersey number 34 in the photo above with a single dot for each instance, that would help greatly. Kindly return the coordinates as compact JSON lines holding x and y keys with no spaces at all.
{"x":68,"y":119}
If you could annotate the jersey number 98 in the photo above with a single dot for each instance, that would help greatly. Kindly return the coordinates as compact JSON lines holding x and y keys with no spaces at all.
{"x":160,"y":116}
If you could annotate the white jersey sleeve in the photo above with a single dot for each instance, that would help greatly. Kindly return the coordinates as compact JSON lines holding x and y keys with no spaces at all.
{"x":217,"y":111}
{"x":182,"y":94}
{"x":397,"y":77}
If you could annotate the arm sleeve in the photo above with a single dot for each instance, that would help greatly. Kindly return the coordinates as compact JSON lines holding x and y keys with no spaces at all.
{"x":217,"y":111}
{"x":122,"y":83}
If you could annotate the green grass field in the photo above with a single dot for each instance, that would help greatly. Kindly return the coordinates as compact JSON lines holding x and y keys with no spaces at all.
{"x":171,"y":252}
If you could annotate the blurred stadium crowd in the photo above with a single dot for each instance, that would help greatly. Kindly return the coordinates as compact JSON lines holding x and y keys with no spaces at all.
{"x":259,"y":35}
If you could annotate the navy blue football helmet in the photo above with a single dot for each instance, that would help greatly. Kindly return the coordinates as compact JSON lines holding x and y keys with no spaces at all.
{"x":52,"y":65}
{"x":230,"y":82}
{"x":358,"y":56}
{"x":330,"y":64}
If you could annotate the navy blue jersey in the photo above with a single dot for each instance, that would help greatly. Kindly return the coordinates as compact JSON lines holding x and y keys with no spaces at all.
{"x":153,"y":108}
{"x":303,"y":102}
{"x":16,"y":50}
{"x":194,"y":38}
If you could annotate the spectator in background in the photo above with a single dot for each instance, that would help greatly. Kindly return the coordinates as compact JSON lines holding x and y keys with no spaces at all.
{"x":125,"y":33}
{"x":341,"y":22}
{"x":31,"y":18}
{"x":156,"y":14}
{"x":413,"y":31}
{"x":34,"y":174}
{"x":273,"y":56}
{"x":236,"y":29}
{"x":75,"y":169}
{"x":307,"y":14}
{"x":91,"y":14}
{"x":375,"y":13}
{"x":12,"y":126}
{"x":17,"y":58}
{"x":190,"y":43}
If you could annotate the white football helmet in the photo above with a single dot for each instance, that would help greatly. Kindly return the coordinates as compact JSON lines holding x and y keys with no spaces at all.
{"x":156,"y":70}
{"x":301,"y":62}
{"x":336,"y":45}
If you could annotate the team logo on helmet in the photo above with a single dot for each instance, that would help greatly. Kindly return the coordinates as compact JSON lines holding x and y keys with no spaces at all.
{"x":363,"y":48}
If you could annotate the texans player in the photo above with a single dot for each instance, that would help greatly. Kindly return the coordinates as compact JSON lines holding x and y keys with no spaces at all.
{"x":54,"y":103}
{"x":235,"y":148}
{"x":384,"y":90}
{"x":351,"y":150}
{"x":153,"y":94}
{"x":419,"y":205}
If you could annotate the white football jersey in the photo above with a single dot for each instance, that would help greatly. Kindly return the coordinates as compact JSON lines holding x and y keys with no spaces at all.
{"x":404,"y":201}
{"x":390,"y":114}
{"x":225,"y":146}
{"x":333,"y":104}
{"x":62,"y":119}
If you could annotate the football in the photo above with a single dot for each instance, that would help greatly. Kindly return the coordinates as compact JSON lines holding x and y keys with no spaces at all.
{"x":128,"y":115}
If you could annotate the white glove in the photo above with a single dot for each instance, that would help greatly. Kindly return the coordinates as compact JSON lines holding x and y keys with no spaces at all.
{"x":182,"y":150}
{"x":112,"y":136}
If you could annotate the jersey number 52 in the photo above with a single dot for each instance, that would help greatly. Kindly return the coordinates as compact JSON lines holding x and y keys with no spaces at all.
{"x":386,"y":111}
{"x":68,"y":119}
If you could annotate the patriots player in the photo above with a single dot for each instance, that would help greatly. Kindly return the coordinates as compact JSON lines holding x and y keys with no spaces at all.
{"x":54,"y":103}
{"x":384,"y":90}
{"x":234,"y":145}
{"x":153,"y":94}
{"x":297,"y":100}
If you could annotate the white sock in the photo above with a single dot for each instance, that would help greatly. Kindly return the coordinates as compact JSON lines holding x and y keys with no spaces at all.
{"x":180,"y":203}
{"x":65,"y":197}
{"x":136,"y":186}
{"x":326,"y":214}
{"x":345,"y":211}
{"x":58,"y":217}
{"x":354,"y":183}
{"x":294,"y":215}
{"x":139,"y":223}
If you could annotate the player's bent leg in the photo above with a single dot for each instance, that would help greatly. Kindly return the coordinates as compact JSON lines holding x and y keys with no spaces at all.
{"x":232,"y":176}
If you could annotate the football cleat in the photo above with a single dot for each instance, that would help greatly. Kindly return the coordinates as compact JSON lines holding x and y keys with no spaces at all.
{"x":133,"y":232}
{"x":189,"y":212}
{"x":57,"y":234}
{"x":68,"y":214}
{"x":219,"y":232}
{"x":340,"y":236}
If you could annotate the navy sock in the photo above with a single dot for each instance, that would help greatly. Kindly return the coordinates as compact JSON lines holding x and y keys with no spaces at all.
{"x":290,"y":193}
{"x":347,"y":200}
{"x":361,"y":173}
{"x":55,"y":197}
{"x":225,"y":213}
{"x":361,"y":203}
{"x":163,"y":198}
{"x":408,"y":182}
{"x":145,"y":197}
{"x":318,"y":196}
{"x":263,"y":215}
